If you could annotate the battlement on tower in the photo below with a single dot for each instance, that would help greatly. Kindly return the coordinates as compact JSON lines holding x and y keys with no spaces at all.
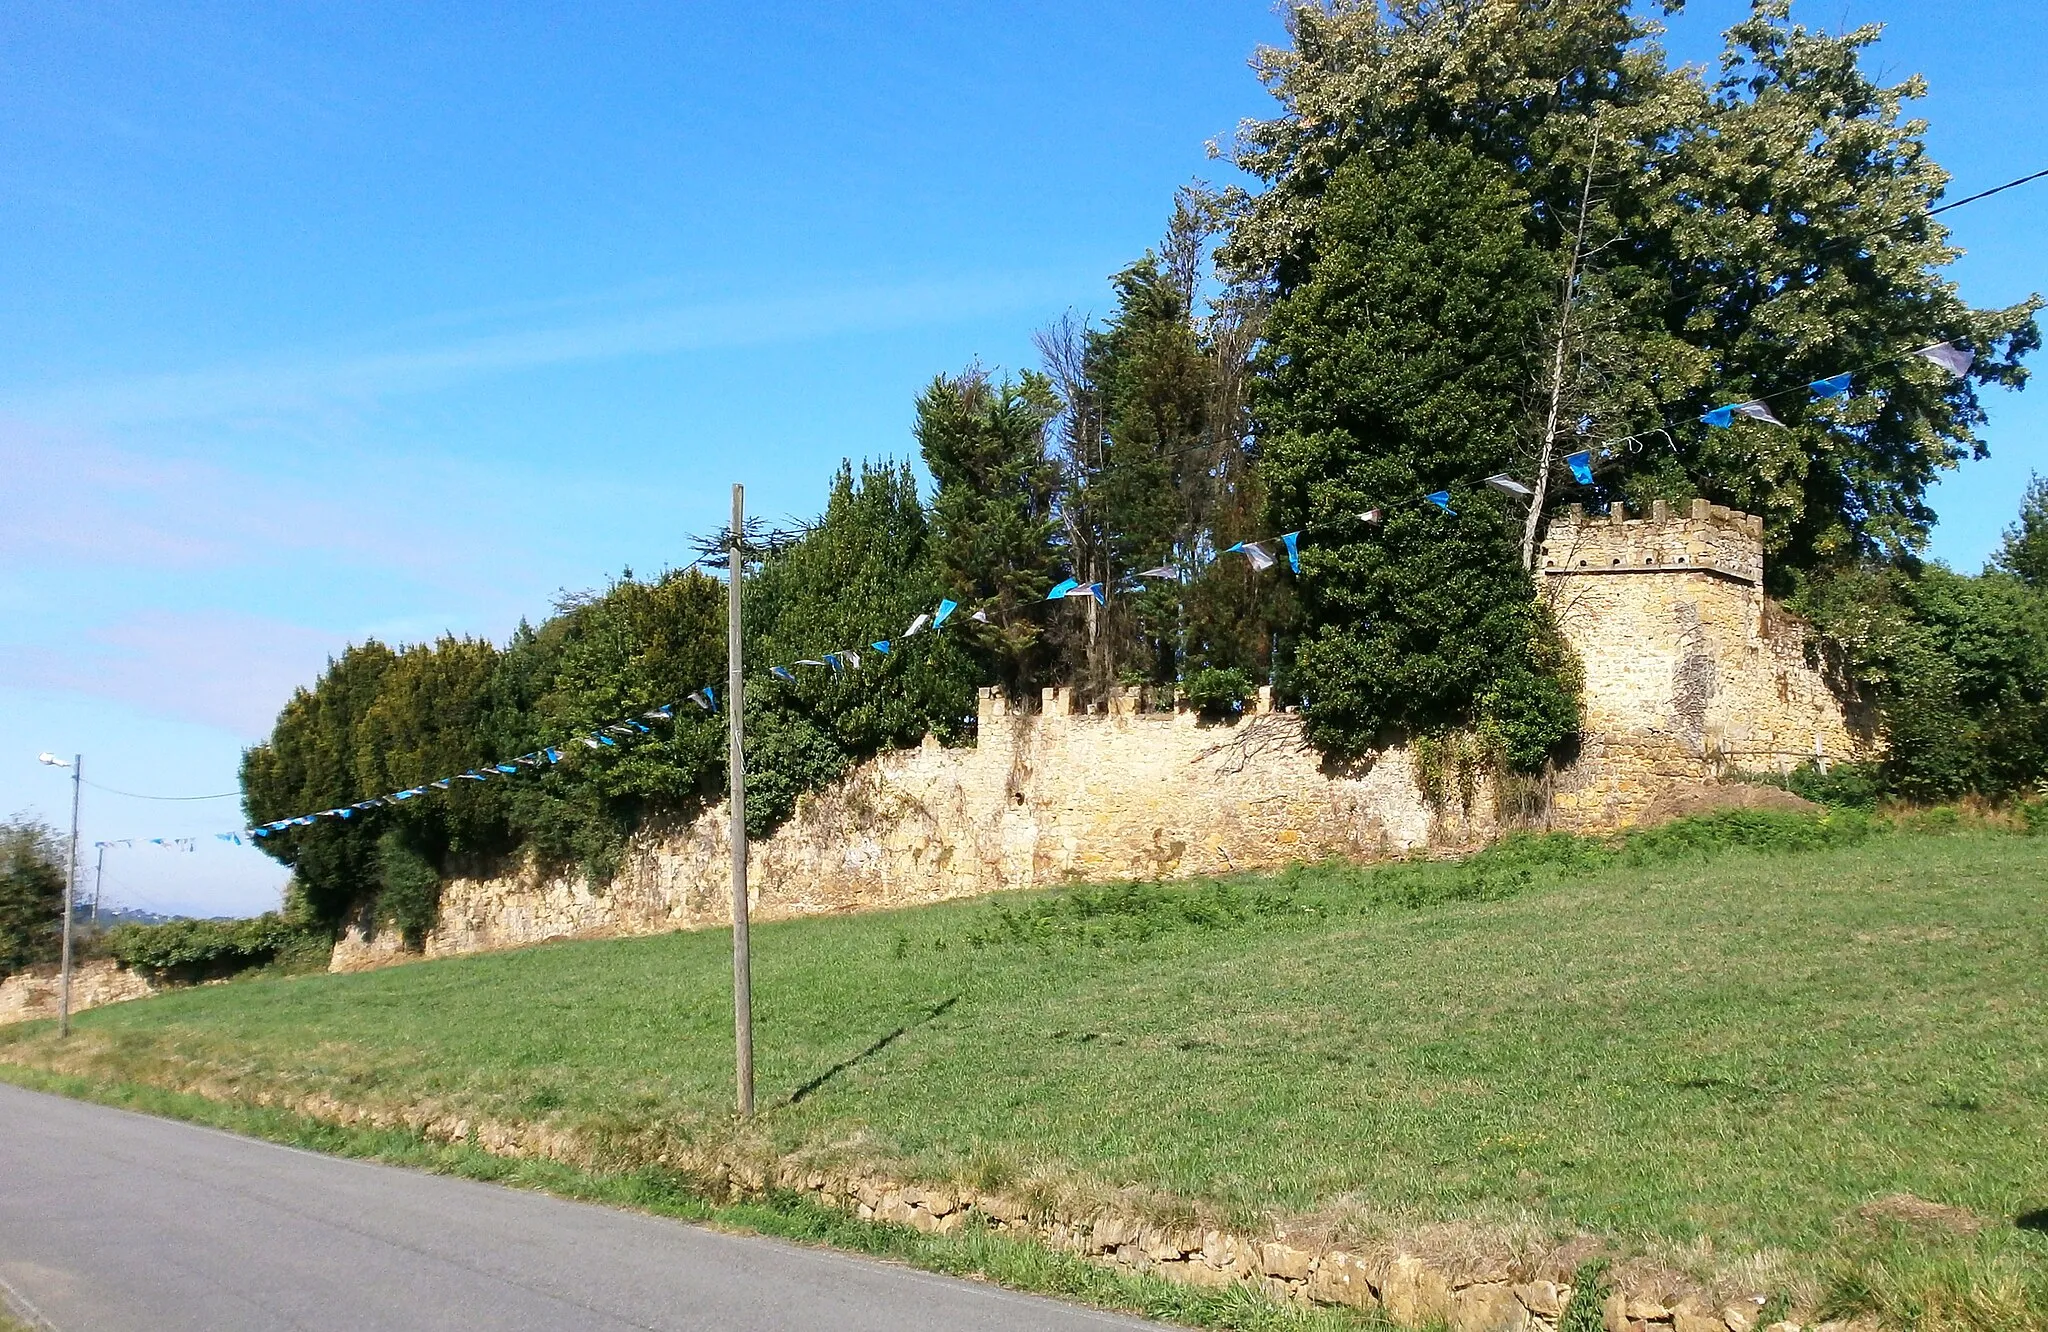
{"x":1709,"y":538}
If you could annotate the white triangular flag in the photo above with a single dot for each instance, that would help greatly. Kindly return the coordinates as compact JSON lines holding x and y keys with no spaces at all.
{"x":1956,"y":360}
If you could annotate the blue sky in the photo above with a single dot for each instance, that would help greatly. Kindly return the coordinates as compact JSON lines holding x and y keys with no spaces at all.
{"x":331,"y":321}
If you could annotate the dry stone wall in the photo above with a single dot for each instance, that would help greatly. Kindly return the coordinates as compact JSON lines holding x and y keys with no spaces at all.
{"x":1689,"y":674}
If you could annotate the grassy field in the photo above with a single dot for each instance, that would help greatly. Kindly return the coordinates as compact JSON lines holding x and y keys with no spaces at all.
{"x":1731,"y":1048}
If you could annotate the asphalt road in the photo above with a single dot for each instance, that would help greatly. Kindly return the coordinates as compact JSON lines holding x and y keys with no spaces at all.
{"x":117,"y":1222}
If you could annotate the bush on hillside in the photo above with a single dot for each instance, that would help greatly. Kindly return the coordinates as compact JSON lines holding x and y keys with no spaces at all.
{"x":192,"y":950}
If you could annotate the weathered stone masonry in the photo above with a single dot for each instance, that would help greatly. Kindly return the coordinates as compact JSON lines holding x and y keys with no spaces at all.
{"x":1690,"y":673}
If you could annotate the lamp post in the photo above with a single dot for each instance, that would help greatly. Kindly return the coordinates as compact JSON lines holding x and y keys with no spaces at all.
{"x":77,"y":766}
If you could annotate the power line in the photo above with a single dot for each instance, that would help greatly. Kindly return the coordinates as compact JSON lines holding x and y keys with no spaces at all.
{"x":1986,"y":194}
{"x":136,"y":795}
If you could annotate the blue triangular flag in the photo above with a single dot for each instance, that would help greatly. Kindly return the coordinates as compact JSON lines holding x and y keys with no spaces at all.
{"x":945,"y":608}
{"x":1581,"y":464}
{"x":1834,"y":386}
{"x":782,"y":673}
{"x":881,"y":646}
{"x":507,"y":767}
{"x":1292,"y":540}
{"x":1442,"y":500}
{"x":1721,"y":417}
{"x":1061,"y":588}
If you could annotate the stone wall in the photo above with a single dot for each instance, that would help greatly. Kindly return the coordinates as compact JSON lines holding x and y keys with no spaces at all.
{"x":1043,"y":797}
{"x":33,"y":993}
{"x":1689,"y":675}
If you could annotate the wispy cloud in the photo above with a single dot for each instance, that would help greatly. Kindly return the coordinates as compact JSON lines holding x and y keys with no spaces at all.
{"x":315,"y":381}
{"x":219,"y":668}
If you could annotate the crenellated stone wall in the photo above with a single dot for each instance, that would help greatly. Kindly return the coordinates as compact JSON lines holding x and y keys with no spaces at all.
{"x":1690,"y":674}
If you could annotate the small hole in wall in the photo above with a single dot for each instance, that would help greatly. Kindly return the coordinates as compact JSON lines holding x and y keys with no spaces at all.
{"x":1016,"y":797}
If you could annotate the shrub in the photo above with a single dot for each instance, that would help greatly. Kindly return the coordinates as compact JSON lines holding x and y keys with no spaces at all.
{"x":191,"y":950}
{"x":1843,"y":786}
{"x":1217,"y":693}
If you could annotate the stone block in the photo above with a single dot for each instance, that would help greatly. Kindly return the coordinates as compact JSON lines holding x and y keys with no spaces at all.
{"x":1284,"y":1261}
{"x":1109,"y":1230}
{"x":1545,"y":1299}
{"x":1196,"y":1273}
{"x":1689,"y":1320}
{"x":1414,"y":1292}
{"x":1001,"y":1208}
{"x":1488,"y":1307}
{"x":1341,"y":1278}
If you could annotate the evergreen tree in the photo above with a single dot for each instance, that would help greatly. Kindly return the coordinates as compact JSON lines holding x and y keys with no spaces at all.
{"x":2024,"y":552}
{"x":993,"y":520}
{"x":1156,"y":447}
{"x":1396,"y":366}
{"x":863,"y":572}
{"x":1153,"y":380}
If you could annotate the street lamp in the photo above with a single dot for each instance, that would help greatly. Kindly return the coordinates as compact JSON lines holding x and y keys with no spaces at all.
{"x":77,"y":766}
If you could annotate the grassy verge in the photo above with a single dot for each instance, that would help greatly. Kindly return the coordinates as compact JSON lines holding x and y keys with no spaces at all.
{"x":655,"y":1189}
{"x":1767,"y":1053}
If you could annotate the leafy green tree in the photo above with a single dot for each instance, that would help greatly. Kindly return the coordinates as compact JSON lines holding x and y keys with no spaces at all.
{"x":1957,"y":668}
{"x":992,"y":517}
{"x":1156,"y":470}
{"x":1788,"y":225}
{"x":32,"y":867}
{"x":602,"y":657}
{"x":2024,"y":552}
{"x":1396,"y":366}
{"x":1143,"y":490}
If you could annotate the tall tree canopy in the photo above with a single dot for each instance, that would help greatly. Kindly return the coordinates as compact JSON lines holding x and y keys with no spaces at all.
{"x":381,"y":719}
{"x":2024,"y":551}
{"x":32,"y":871}
{"x":1396,"y":366}
{"x":1747,"y":235}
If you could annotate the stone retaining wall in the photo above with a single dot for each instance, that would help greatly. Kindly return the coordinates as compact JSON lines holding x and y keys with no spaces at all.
{"x":33,"y":993}
{"x":1505,"y":1295}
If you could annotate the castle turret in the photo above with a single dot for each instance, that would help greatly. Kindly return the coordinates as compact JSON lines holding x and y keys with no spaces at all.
{"x":1690,"y":673}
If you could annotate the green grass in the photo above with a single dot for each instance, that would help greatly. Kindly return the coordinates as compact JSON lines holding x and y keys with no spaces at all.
{"x":1711,"y":1048}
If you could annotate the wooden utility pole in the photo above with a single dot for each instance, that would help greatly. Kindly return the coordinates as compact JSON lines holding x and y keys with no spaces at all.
{"x":1564,"y":327}
{"x":70,"y":909}
{"x":736,"y":767}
